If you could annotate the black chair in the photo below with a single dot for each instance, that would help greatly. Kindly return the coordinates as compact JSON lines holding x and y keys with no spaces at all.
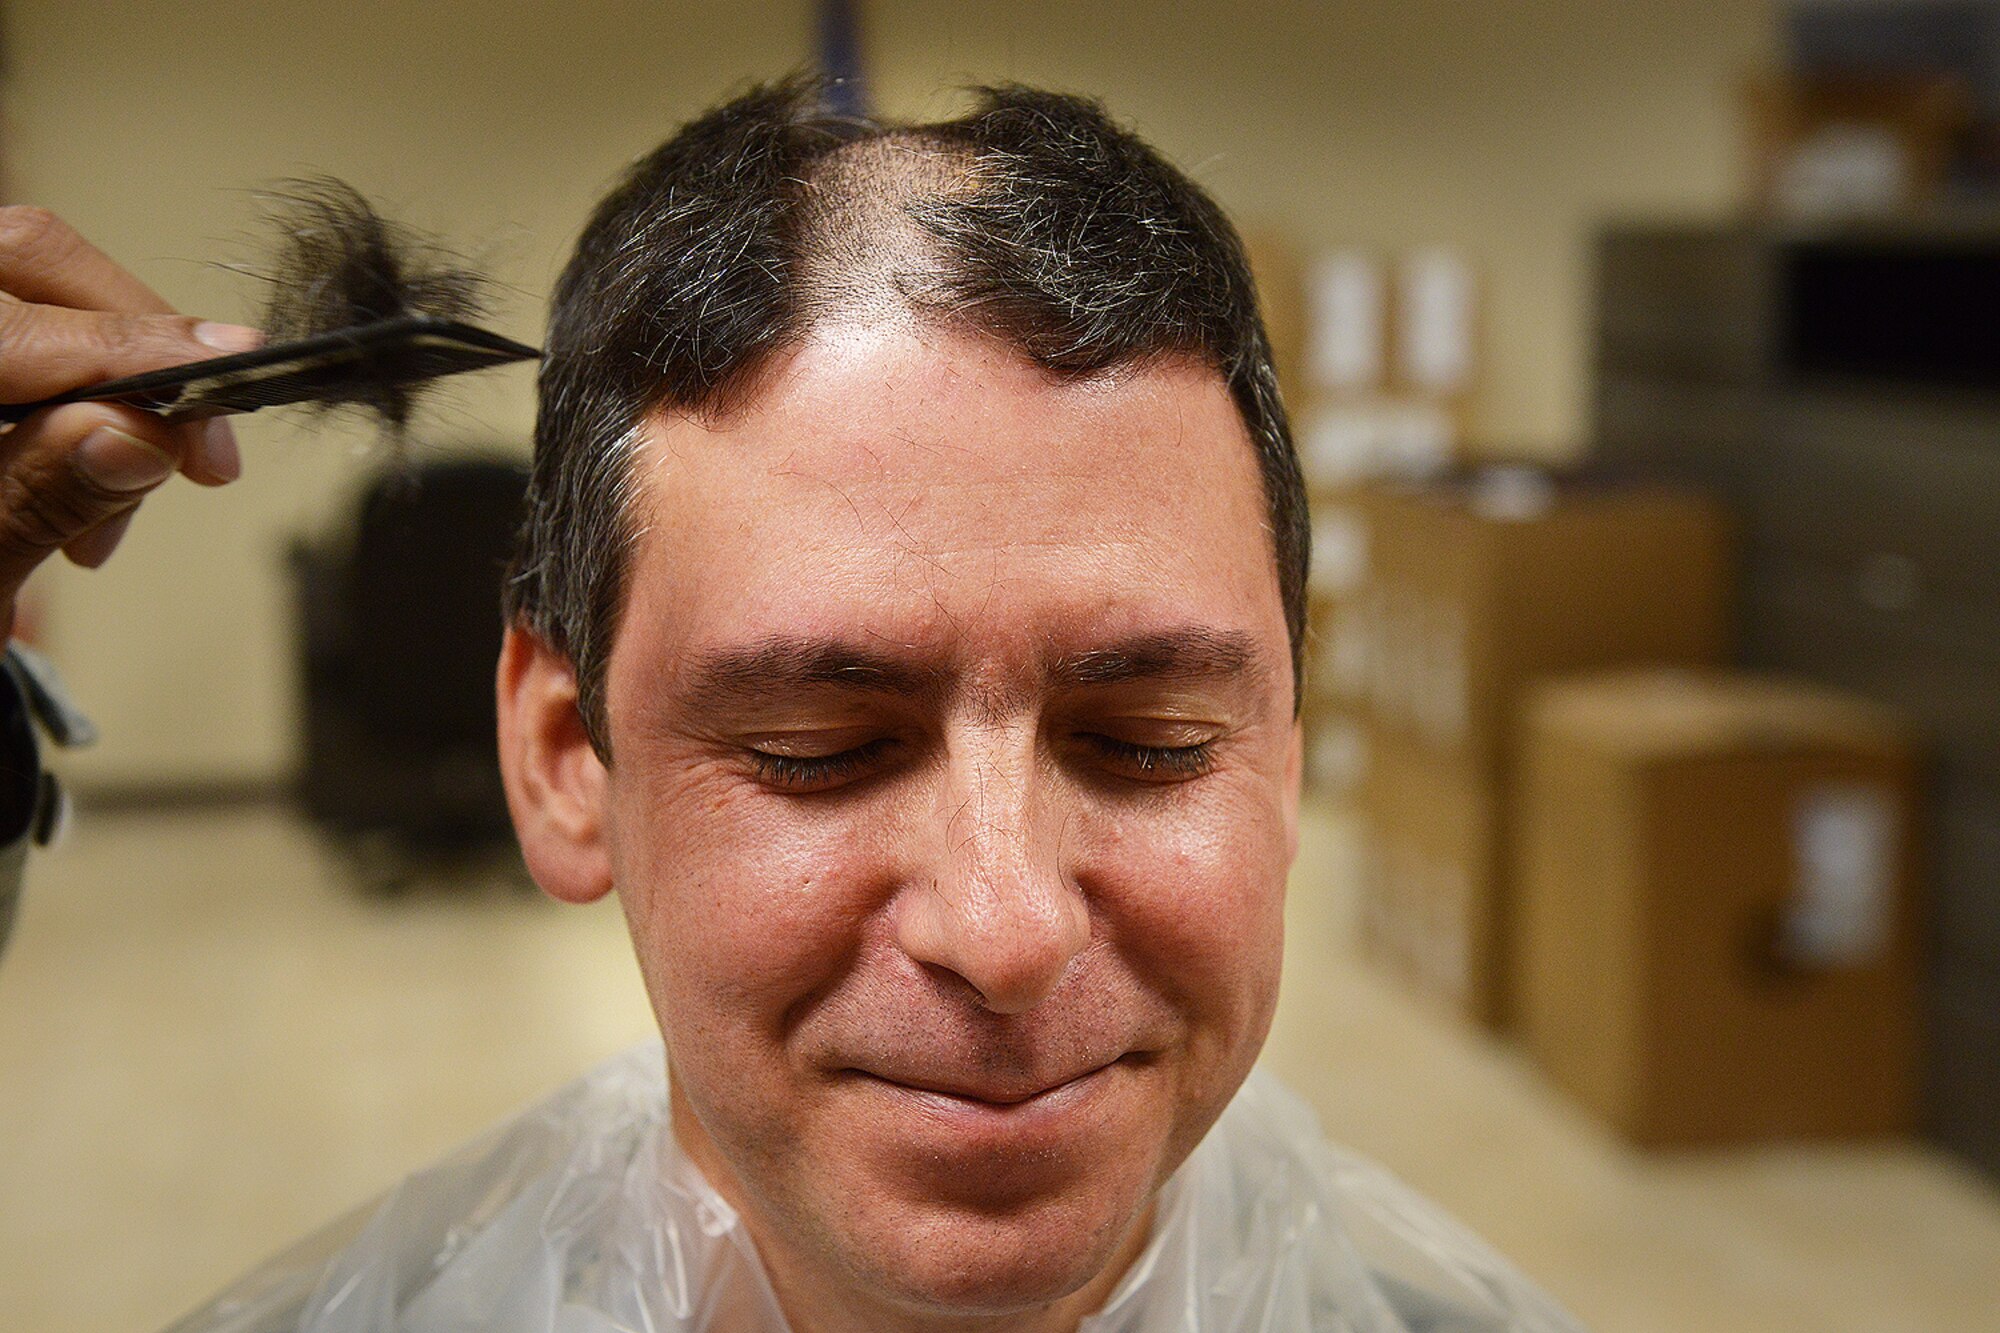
{"x":400,"y":628}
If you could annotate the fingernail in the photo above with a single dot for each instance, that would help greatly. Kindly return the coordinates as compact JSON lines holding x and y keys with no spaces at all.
{"x":229,"y":337}
{"x":219,"y":456}
{"x":120,"y":462}
{"x":93,"y":548}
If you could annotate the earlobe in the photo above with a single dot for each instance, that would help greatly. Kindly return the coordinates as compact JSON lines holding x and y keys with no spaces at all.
{"x":556,"y":784}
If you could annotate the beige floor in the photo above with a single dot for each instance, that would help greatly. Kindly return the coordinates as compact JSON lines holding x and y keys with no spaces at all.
{"x":208,"y":1044}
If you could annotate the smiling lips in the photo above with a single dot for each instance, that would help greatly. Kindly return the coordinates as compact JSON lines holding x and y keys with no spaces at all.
{"x":987,"y":1094}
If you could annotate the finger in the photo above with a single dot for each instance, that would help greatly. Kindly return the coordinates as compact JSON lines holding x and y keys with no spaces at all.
{"x":209,"y":456}
{"x":43,"y":259}
{"x":47,"y":350}
{"x":93,"y":548}
{"x":65,"y":471}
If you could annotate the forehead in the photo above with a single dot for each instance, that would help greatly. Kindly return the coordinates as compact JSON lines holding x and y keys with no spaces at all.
{"x":923,"y":484}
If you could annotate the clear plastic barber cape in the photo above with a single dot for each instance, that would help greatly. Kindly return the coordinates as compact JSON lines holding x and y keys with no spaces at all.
{"x":582,"y":1216}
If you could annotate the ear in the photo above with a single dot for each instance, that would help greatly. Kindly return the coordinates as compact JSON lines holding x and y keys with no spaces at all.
{"x":556,"y":784}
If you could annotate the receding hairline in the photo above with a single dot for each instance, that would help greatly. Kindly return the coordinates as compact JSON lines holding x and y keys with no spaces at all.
{"x":864,"y":253}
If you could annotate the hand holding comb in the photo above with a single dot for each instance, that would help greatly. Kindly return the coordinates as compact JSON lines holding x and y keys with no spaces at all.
{"x":362,"y":314}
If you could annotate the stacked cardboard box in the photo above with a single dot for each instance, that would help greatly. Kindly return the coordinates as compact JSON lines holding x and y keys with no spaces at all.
{"x":1331,"y":326}
{"x":1336,"y":682}
{"x":1475,"y":591}
{"x":1714,"y":937}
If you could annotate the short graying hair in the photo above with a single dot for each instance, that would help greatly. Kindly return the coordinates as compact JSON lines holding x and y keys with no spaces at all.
{"x":1034,"y":218}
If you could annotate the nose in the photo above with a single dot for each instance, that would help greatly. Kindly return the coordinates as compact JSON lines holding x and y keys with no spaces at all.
{"x":999,"y":910}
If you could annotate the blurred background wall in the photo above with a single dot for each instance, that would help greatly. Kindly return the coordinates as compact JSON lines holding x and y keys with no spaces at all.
{"x":1507,"y":131}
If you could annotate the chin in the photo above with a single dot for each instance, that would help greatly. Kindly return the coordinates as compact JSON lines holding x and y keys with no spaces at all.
{"x":950,"y":1261}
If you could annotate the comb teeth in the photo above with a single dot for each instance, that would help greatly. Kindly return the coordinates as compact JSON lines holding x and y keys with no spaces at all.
{"x":407,"y":352}
{"x":362,"y":364}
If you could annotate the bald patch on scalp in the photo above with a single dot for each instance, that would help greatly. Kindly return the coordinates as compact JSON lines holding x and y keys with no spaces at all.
{"x":863,"y":249}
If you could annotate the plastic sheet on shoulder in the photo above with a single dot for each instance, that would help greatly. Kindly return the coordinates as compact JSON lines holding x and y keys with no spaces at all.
{"x":581,"y":1216}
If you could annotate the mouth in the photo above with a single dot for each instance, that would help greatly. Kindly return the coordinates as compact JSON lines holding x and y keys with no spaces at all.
{"x":997,"y":1096}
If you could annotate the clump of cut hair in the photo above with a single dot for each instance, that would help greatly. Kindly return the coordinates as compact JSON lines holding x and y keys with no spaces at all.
{"x":340,"y":264}
{"x":1035,"y":218}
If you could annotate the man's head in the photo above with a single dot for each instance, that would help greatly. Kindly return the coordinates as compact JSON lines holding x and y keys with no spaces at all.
{"x":907,"y":627}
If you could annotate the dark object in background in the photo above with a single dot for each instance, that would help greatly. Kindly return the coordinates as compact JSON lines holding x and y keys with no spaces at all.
{"x":33,"y":805}
{"x":1848,"y":37}
{"x":840,"y":57}
{"x":1846,"y":40}
{"x":400,"y":632}
{"x":1866,"y":472}
{"x":1910,"y":311}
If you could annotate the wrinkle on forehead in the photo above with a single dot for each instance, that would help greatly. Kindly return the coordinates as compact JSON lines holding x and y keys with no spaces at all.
{"x":927,"y":478}
{"x":864,"y":402}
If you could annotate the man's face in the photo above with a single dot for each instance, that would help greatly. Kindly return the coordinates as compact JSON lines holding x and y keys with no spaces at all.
{"x":953,"y":792}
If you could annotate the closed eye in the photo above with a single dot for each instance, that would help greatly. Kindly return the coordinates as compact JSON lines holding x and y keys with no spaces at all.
{"x":794,"y":772}
{"x":1153,"y":763}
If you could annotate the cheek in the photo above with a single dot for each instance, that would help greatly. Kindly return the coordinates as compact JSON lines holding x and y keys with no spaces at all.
{"x":739,"y":907}
{"x":1194,"y":897}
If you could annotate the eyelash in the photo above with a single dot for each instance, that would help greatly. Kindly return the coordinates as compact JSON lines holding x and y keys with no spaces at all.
{"x":1180,"y":760}
{"x":789,"y":770}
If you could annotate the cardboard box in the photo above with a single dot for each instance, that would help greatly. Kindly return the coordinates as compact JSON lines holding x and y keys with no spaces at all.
{"x":1336,"y":644}
{"x":1431,"y":897}
{"x":1480,"y":588}
{"x":1473,"y":591}
{"x":1336,"y":597}
{"x":1714,"y":932}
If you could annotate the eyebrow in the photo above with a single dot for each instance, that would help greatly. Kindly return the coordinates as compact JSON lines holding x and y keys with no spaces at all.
{"x":770,"y":668}
{"x":757,"y":672}
{"x":1192,"y":653}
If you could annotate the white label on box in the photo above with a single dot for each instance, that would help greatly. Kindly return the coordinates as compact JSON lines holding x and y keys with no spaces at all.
{"x":1842,"y":170}
{"x":1513,"y":493}
{"x":1844,"y":851}
{"x":1434,"y":310}
{"x":1344,"y":333}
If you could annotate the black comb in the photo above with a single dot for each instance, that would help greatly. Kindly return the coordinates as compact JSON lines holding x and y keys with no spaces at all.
{"x":325,"y":368}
